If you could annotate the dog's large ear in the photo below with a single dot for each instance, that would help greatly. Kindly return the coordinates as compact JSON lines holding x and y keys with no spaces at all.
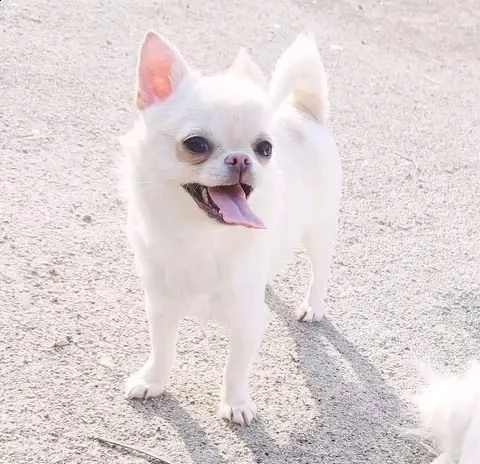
{"x":246,"y":67}
{"x":161,"y":69}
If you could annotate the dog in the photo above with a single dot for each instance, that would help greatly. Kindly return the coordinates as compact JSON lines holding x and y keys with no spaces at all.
{"x":450,"y":412}
{"x":226,"y":176}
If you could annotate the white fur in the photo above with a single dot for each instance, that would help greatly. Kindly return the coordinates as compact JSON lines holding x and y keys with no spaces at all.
{"x":450,"y":411}
{"x":192,"y":265}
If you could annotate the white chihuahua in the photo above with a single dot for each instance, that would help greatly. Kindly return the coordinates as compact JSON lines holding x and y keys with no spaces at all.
{"x":450,"y":412}
{"x":225,"y":178}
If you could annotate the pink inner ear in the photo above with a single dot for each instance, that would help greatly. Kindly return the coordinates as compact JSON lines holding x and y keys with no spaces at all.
{"x":154,"y":71}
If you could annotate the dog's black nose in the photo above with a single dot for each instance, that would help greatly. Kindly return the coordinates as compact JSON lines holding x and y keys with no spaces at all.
{"x":238,"y":161}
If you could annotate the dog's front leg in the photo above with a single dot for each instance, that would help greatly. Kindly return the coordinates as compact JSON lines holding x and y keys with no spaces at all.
{"x":151,"y":379}
{"x":246,"y":334}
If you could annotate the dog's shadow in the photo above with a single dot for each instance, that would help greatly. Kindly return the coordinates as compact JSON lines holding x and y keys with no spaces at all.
{"x":354,"y":422}
{"x":196,"y":441}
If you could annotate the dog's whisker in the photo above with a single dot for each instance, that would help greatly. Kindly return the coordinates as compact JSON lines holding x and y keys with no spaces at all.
{"x":140,"y":185}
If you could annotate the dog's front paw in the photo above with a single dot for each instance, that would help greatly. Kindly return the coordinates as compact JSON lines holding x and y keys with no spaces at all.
{"x":243,"y":413}
{"x":311,"y":313}
{"x":144,"y":384}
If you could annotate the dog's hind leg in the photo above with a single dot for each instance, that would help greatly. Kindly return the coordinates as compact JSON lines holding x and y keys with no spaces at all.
{"x":319,"y":242}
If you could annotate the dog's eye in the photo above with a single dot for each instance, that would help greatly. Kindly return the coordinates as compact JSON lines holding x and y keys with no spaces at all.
{"x":197,"y":145}
{"x":263,"y":148}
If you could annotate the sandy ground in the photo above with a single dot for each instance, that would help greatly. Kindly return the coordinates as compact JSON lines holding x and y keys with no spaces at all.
{"x":404,"y":80}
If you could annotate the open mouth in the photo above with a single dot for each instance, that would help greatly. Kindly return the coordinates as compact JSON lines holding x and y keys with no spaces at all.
{"x":226,"y":203}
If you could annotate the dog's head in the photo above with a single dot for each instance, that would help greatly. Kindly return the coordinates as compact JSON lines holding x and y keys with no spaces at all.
{"x":206,"y":135}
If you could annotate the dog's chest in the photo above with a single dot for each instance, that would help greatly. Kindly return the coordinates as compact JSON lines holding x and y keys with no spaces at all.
{"x":188,"y":274}
{"x":197,"y":276}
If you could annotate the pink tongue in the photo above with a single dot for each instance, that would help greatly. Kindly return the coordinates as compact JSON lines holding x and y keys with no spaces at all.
{"x":232,"y":203}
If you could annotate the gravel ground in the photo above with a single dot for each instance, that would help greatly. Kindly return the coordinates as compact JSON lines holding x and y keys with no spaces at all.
{"x":404,"y":78}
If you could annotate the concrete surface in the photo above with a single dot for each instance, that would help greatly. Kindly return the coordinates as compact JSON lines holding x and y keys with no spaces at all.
{"x":405,"y":85}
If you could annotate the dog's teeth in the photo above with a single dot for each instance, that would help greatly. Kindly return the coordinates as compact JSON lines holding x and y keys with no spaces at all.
{"x":205,"y":196}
